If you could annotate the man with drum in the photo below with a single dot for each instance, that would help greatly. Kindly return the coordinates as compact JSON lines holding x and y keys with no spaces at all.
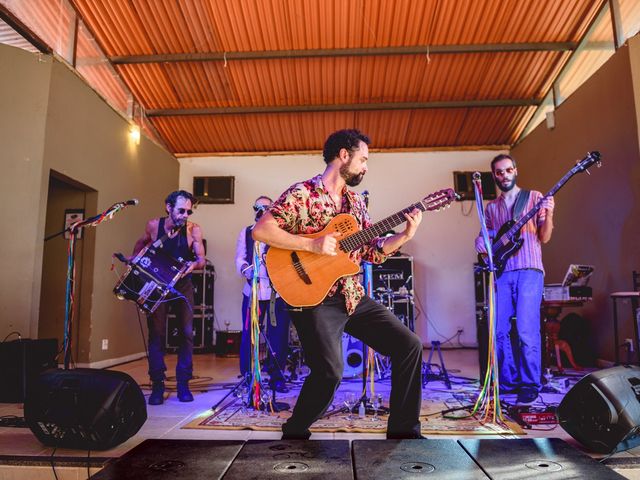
{"x":184,"y":240}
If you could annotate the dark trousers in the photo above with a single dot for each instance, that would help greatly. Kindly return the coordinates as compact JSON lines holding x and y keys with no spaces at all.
{"x":157,"y":323}
{"x":278,"y":337}
{"x":320,"y":330}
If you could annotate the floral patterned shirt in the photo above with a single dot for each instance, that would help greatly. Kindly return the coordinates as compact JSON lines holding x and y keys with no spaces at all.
{"x":307,"y":207}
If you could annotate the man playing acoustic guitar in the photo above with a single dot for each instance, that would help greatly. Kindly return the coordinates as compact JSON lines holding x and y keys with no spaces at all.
{"x":519,"y":287}
{"x":304,"y":209}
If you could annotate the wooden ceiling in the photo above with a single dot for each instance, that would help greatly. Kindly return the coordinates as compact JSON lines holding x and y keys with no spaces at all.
{"x":248,"y":76}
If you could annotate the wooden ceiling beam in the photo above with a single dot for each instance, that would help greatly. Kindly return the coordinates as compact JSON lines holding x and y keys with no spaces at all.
{"x":346,"y":52}
{"x":173,"y":112}
{"x":14,"y":22}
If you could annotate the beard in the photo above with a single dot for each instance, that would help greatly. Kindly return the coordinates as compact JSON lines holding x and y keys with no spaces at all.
{"x":178,"y":222}
{"x":509,"y":186}
{"x":351,"y":179}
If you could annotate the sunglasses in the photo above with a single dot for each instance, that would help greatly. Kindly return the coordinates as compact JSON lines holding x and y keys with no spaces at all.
{"x":499,"y":173}
{"x":260,"y":208}
{"x":182,"y":211}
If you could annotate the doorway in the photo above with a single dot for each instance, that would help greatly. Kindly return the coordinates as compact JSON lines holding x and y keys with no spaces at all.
{"x":67,"y":201}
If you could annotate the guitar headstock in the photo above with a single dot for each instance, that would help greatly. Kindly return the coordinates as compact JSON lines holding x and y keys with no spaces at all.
{"x":592,"y":158}
{"x":439,"y":200}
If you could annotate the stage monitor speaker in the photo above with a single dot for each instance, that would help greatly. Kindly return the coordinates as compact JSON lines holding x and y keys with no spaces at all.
{"x":352,"y":356}
{"x":84,"y":408}
{"x":21,"y":362}
{"x":602,"y":410}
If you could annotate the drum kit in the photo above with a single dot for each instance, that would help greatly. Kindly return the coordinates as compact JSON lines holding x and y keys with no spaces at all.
{"x":150,"y":278}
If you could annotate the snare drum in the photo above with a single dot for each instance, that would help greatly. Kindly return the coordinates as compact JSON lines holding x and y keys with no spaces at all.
{"x":150,"y":278}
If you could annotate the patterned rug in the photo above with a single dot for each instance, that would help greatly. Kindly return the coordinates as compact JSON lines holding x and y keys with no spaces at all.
{"x":234,"y":416}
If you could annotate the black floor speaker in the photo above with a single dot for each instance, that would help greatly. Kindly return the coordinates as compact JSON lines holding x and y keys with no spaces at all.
{"x":84,"y":408}
{"x":602,"y":410}
{"x":21,"y":361}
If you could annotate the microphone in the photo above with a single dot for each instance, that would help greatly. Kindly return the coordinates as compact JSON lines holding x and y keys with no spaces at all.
{"x":477,"y":176}
{"x":133,"y":201}
{"x":365,"y":194}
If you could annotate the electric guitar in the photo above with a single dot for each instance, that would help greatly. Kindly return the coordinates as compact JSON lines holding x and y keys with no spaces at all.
{"x":508,"y":241}
{"x":303,"y":279}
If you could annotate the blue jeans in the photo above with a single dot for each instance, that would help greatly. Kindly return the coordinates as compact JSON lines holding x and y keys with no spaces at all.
{"x":278,"y":336}
{"x":519,"y":294}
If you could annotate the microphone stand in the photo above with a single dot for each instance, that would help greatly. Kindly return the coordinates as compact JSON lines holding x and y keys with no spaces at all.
{"x":71,"y":268}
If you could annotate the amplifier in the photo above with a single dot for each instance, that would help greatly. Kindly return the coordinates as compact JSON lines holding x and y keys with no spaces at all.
{"x":202,"y":331}
{"x":21,"y":361}
{"x":203,"y":282}
{"x":394,"y":274}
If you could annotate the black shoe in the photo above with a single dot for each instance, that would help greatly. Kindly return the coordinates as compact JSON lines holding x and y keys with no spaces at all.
{"x":279,"y":386}
{"x":509,"y":391}
{"x":157,"y":393}
{"x":184,"y":395}
{"x":526,"y":396}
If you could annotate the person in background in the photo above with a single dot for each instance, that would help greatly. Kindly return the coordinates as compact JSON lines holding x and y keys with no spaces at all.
{"x":275,"y":322}
{"x":519,"y":288}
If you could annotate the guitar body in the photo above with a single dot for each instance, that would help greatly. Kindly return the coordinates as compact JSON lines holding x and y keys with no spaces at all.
{"x":303,"y":279}
{"x":503,"y":250}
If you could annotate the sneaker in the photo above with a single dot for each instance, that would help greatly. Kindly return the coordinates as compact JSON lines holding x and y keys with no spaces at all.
{"x":527,"y":396}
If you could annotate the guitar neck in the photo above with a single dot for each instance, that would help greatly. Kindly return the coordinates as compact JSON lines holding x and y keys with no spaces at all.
{"x":363,"y":237}
{"x":509,"y":234}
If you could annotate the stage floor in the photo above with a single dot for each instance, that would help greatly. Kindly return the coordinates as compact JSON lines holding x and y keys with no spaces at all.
{"x":213,"y":374}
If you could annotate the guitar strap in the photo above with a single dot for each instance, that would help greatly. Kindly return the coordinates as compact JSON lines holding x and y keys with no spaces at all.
{"x":521,"y":202}
{"x":160,"y":241}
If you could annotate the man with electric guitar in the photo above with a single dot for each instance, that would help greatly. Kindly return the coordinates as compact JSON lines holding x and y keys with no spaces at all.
{"x":520,"y":278}
{"x":319,"y":231}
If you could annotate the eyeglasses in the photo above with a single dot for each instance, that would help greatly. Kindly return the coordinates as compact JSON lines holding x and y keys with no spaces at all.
{"x":500,"y":173}
{"x":260,"y":208}
{"x":182,"y":211}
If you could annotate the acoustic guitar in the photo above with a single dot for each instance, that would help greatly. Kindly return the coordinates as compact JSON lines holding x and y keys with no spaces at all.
{"x":303,"y":279}
{"x":508,"y":241}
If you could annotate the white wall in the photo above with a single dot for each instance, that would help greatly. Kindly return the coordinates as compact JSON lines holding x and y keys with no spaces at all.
{"x":442,"y":249}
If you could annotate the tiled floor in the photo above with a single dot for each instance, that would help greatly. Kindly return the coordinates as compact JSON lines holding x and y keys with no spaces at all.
{"x":214,"y":376}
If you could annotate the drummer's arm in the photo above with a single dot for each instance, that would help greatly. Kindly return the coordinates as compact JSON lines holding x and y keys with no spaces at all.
{"x":143,"y":241}
{"x":198,"y":249}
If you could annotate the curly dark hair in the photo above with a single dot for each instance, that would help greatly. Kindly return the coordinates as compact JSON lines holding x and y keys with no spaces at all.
{"x":502,"y":156}
{"x":173,"y":197}
{"x":348,"y":138}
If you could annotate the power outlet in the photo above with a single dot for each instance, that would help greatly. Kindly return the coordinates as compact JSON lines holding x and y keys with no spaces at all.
{"x":629,"y":343}
{"x":459,"y":330}
{"x":105,"y":344}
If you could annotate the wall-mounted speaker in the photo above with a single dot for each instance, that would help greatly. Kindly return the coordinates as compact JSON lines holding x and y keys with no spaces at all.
{"x":463,"y":185}
{"x":602,"y":410}
{"x":214,"y":189}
